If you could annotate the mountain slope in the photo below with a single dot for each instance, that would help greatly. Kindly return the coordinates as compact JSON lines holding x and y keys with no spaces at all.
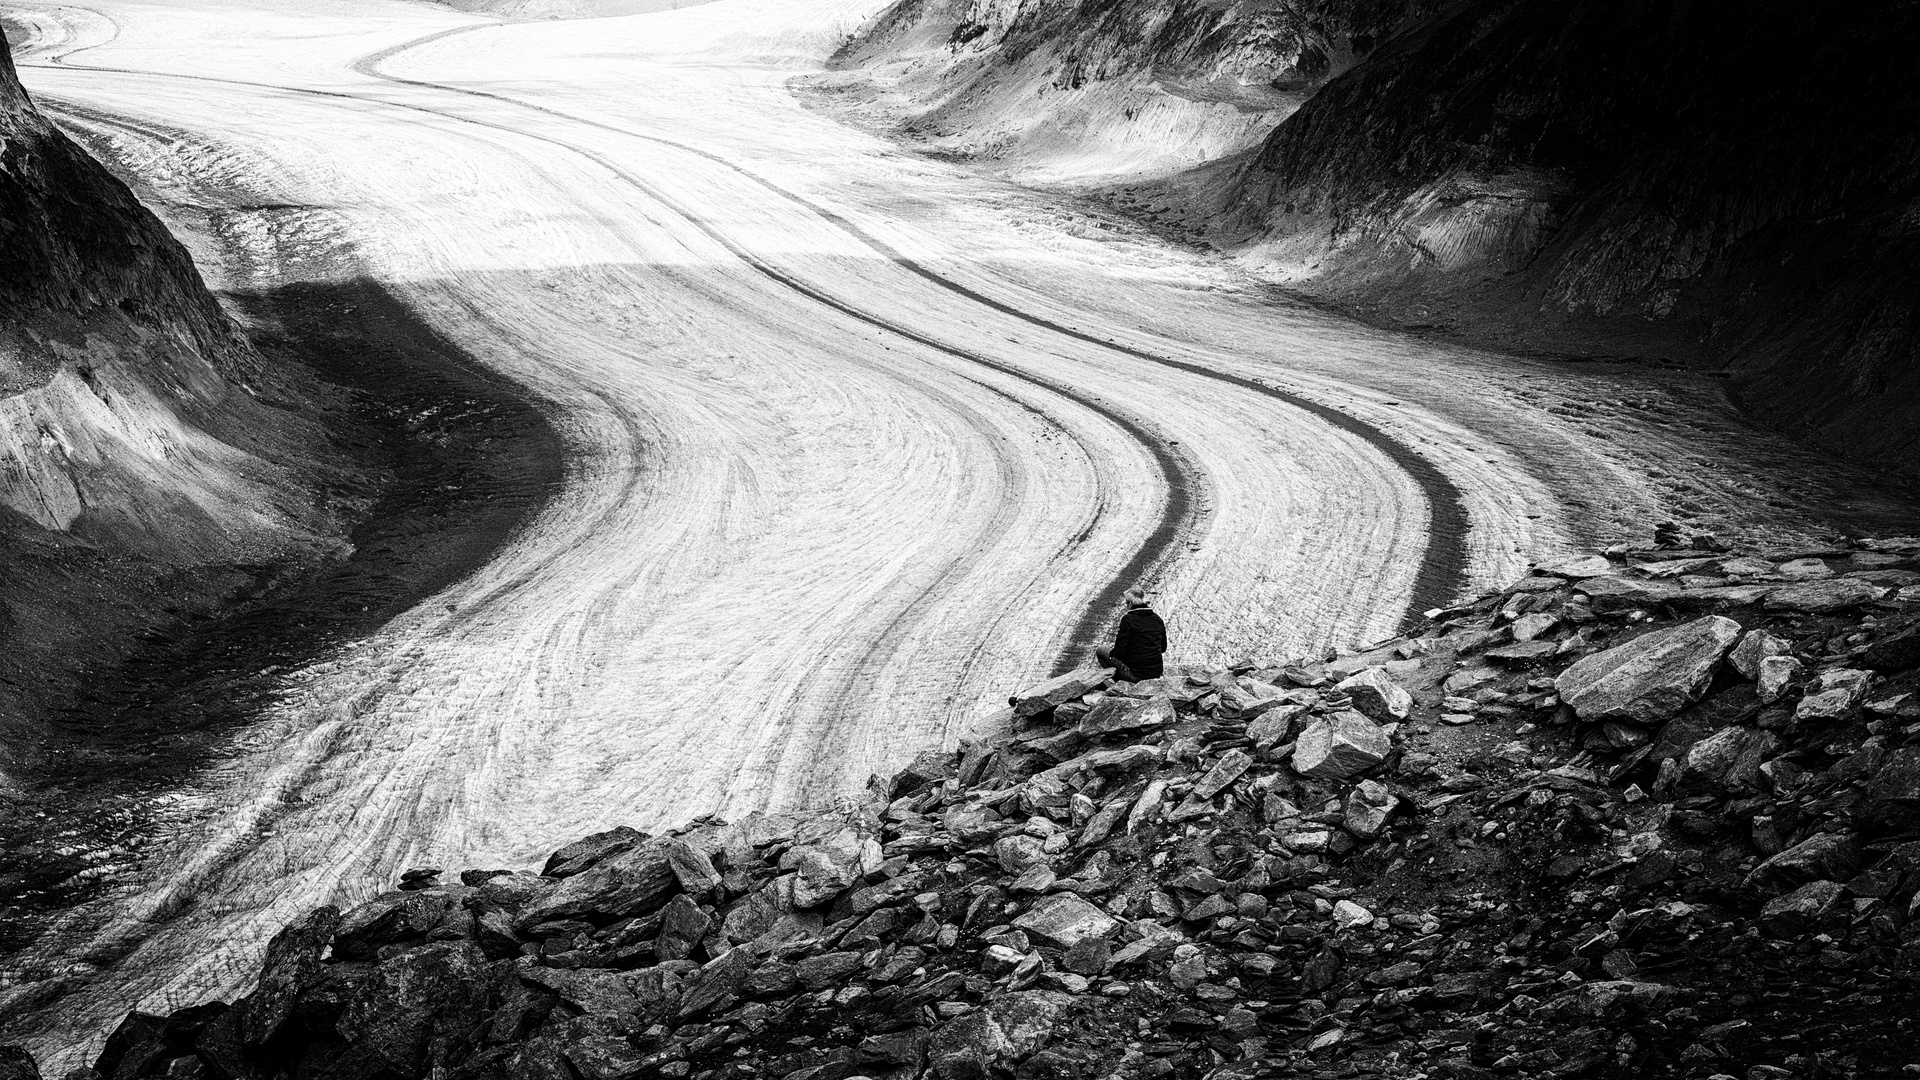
{"x":1731,"y":187}
{"x":143,"y":442}
{"x":1747,"y":175}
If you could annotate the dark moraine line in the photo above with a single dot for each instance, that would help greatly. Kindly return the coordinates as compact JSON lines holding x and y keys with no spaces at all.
{"x":1443,"y":568}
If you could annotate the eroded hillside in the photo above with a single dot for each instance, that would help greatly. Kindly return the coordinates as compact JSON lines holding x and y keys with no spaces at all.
{"x":141,"y":442}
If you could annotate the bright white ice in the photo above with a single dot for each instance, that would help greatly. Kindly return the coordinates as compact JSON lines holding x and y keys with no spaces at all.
{"x":821,"y":510}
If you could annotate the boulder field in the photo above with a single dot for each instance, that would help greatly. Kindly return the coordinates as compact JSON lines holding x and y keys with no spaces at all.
{"x":1649,"y":814}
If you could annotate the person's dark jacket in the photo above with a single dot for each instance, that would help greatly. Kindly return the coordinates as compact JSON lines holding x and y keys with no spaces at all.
{"x":1140,"y":642}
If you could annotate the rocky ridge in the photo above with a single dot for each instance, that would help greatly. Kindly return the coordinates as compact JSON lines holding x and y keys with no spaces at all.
{"x":1648,"y":813}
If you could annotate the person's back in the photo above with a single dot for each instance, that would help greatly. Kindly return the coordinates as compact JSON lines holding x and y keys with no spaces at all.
{"x":1139,"y":643}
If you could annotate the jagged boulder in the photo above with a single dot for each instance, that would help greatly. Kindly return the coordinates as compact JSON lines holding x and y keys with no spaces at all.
{"x":1376,"y":696}
{"x":1726,"y":762}
{"x":1340,"y":746}
{"x":1755,"y":646}
{"x":1652,"y":677}
{"x":293,"y":958}
{"x":1064,"y":920}
{"x":637,"y":881}
{"x":831,"y":865}
{"x":588,"y":850}
{"x":437,"y":990}
{"x":1835,"y":694}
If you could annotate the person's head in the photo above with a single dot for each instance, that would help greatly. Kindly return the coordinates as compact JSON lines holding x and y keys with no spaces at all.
{"x":1136,"y":597}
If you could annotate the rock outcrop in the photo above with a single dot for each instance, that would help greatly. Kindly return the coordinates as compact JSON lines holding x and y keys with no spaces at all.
{"x":1500,"y":884}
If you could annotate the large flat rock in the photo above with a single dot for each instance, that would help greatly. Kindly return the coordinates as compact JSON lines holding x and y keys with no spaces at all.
{"x":1652,"y":677}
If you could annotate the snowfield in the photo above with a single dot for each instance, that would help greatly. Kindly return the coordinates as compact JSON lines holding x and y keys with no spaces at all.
{"x":857,"y":441}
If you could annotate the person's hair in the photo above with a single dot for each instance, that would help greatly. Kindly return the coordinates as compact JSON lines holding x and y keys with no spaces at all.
{"x":1136,"y":595}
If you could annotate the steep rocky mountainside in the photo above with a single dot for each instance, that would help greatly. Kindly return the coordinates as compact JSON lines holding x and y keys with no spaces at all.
{"x":1748,"y":174}
{"x":1730,"y":186}
{"x":1078,"y":88}
{"x":1648,"y":814}
{"x":142,"y":440}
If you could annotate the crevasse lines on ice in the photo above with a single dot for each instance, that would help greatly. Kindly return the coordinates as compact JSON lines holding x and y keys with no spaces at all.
{"x":381,"y":845}
{"x":1445,"y":561}
{"x":1179,"y":478}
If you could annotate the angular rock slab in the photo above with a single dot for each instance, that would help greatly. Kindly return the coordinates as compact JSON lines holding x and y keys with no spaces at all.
{"x":1726,"y":762}
{"x":1651,"y":677}
{"x":1060,"y":690}
{"x":1755,"y":646}
{"x":1376,"y":696}
{"x":1119,"y":714}
{"x":1340,"y":747}
{"x":1823,"y":597}
{"x":1064,"y":920}
{"x":1836,"y":694}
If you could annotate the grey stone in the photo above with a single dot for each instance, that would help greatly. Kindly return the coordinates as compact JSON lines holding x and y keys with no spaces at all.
{"x":1652,"y":677}
{"x":968,"y":1047}
{"x":1835,"y":694}
{"x":1776,"y":675}
{"x":1274,"y":726}
{"x":682,"y":927}
{"x":586,"y":851}
{"x":1340,"y":747}
{"x":1800,"y":910}
{"x":1613,"y":999}
{"x":1376,"y":696}
{"x":410,"y":995}
{"x":1231,"y":766}
{"x":1823,"y":597}
{"x":1726,"y":762}
{"x":1612,"y":593}
{"x":293,"y":957}
{"x":1018,"y":852}
{"x":637,"y":881}
{"x":1065,"y":920}
{"x":1533,"y":625}
{"x":830,"y":866}
{"x":716,"y":982}
{"x":1059,"y":690}
{"x":1755,"y":646}
{"x":691,"y":867}
{"x":1578,"y":567}
{"x":1832,"y":856}
{"x":1367,"y":808}
{"x":827,"y":969}
{"x":1115,"y":715}
{"x":391,"y":918}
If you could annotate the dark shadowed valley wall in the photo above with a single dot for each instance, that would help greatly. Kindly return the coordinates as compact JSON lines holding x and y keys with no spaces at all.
{"x":1748,"y":174}
{"x":1732,"y":186}
{"x":147,"y":452}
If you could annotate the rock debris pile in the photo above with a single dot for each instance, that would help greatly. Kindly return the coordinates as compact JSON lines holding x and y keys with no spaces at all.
{"x":1648,"y":814}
